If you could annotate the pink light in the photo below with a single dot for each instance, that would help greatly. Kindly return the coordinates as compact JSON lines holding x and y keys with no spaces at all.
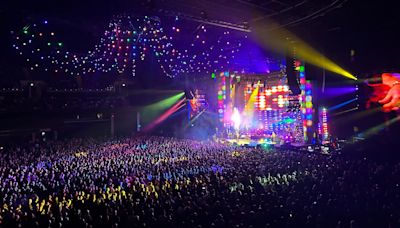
{"x":165,"y":115}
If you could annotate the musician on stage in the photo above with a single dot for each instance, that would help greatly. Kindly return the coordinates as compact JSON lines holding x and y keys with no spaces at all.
{"x":391,"y":102}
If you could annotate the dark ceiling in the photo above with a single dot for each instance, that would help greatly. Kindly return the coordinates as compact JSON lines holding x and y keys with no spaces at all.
{"x":334,"y":27}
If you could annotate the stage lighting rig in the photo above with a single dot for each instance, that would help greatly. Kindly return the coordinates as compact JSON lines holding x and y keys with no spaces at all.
{"x":244,"y":27}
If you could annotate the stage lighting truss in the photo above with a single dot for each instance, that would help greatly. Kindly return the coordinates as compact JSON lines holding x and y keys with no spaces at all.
{"x":237,"y":17}
{"x":244,"y":27}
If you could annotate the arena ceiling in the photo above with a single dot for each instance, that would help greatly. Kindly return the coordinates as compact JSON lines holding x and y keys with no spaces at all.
{"x":245,"y":12}
{"x":333,"y":26}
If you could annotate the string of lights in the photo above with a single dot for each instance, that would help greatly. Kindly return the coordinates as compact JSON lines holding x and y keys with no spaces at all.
{"x":126,"y":41}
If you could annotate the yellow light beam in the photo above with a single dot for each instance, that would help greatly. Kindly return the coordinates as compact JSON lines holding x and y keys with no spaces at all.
{"x":249,"y":109}
{"x":282,"y":40}
{"x":233,"y":95}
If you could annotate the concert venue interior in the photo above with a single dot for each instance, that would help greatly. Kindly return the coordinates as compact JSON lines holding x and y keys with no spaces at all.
{"x":178,"y":113}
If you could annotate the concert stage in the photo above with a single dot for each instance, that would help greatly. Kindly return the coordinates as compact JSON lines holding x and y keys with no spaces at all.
{"x":254,"y":107}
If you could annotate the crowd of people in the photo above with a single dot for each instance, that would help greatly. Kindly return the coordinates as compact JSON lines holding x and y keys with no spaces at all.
{"x":150,"y":181}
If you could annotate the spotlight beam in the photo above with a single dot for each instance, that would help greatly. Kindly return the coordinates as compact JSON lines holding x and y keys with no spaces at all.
{"x":249,"y":111}
{"x":341,"y":104}
{"x":378,"y":128}
{"x":165,"y":115}
{"x":282,"y":40}
{"x":345,"y":111}
{"x":339,"y":91}
{"x":195,"y":118}
{"x":360,"y":115}
{"x":166,"y":102}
